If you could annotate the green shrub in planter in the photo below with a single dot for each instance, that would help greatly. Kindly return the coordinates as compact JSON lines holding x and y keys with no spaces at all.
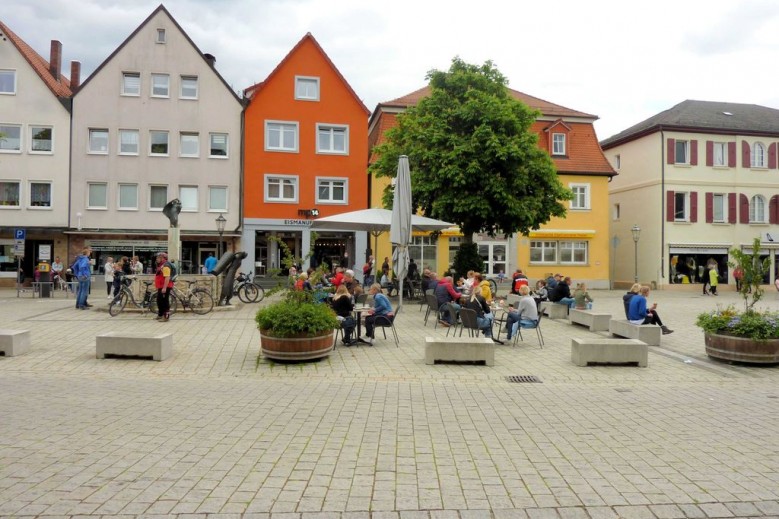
{"x":296,"y":314}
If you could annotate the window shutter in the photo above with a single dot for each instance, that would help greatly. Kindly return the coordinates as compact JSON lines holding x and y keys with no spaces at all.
{"x":671,"y":152}
{"x":772,"y":156}
{"x":693,"y":152}
{"x":773,"y":210}
{"x":709,"y":207}
{"x":709,"y":153}
{"x":746,"y":160}
{"x":693,"y":206}
{"x":731,"y":154}
{"x":732,"y":209}
{"x":744,"y":216}
{"x":669,"y":206}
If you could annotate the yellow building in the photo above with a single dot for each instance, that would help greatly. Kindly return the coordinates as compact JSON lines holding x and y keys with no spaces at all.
{"x":577,"y":245}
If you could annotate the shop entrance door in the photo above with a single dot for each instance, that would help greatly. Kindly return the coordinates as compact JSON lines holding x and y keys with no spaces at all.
{"x":202,"y":254}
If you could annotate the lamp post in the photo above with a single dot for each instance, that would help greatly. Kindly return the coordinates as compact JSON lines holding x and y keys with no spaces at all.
{"x":636,"y":231}
{"x":220,"y":226}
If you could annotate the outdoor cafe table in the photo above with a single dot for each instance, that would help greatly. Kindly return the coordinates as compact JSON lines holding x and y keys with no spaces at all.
{"x":358,"y":310}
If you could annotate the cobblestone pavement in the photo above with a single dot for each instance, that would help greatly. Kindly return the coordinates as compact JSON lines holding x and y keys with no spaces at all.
{"x":373,"y":432}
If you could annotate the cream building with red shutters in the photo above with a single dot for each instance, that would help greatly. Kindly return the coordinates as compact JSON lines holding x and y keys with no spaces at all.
{"x":697,"y":179}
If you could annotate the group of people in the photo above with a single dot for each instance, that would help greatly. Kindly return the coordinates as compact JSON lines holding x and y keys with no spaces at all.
{"x":115,"y":272}
{"x":343,"y":305}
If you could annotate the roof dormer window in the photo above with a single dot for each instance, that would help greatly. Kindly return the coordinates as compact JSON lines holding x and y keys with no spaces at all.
{"x":558,"y":144}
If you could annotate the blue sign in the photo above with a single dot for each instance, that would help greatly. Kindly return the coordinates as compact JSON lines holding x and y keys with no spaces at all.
{"x":20,"y":234}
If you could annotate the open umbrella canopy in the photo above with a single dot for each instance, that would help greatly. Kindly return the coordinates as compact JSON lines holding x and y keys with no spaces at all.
{"x":375,"y":221}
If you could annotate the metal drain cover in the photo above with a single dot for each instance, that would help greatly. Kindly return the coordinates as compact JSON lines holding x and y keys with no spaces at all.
{"x":521,"y":379}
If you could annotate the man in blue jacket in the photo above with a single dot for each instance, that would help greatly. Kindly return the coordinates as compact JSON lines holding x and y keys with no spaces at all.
{"x":83,"y":273}
{"x":638,"y":313}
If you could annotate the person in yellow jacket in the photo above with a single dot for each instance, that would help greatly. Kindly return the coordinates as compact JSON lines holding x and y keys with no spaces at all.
{"x":713,"y":279}
{"x":486,"y":292}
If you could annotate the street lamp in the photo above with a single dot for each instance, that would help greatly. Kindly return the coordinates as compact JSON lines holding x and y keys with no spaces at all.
{"x":220,"y":226}
{"x":636,"y":231}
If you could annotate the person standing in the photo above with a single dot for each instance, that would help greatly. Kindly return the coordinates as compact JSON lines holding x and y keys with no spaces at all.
{"x":367,"y":272}
{"x":713,"y":279}
{"x":108,"y":274}
{"x":210,"y":263}
{"x":83,"y":273}
{"x":137,"y":266}
{"x":163,"y":284}
{"x":738,"y":275}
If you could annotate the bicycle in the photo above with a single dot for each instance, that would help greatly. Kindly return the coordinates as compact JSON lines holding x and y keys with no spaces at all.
{"x":197,"y":299}
{"x":247,"y":290}
{"x":125,"y":295}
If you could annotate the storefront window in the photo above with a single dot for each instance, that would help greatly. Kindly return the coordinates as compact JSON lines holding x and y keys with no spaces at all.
{"x":692,"y":266}
{"x":7,"y":258}
{"x":423,"y":249}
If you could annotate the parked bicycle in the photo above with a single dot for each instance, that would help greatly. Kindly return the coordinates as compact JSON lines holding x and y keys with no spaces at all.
{"x":247,"y":290}
{"x":125,"y":295}
{"x":195,"y":298}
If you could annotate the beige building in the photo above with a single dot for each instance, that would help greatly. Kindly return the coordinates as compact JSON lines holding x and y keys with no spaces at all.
{"x":697,"y":179}
{"x":155,"y":122}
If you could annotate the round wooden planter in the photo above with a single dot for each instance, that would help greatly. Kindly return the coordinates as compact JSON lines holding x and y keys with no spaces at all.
{"x":299,"y":347}
{"x":726,"y":347}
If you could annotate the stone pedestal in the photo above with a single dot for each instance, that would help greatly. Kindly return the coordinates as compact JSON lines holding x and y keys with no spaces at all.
{"x":174,"y":246}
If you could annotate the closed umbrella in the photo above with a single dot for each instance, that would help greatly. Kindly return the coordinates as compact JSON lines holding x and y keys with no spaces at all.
{"x":400,"y":230}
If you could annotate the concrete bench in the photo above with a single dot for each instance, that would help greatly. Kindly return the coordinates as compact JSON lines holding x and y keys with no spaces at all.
{"x":460,"y":349}
{"x":14,"y":342}
{"x":647,"y":333}
{"x":609,"y":351}
{"x":598,"y":322}
{"x":126,"y":344}
{"x":554,"y":310}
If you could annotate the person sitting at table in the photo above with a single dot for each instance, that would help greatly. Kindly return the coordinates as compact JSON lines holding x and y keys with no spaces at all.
{"x":540,"y":293}
{"x":525,"y":315}
{"x":482,"y":286}
{"x":381,"y":307}
{"x":581,"y":297}
{"x":484,"y":316}
{"x":446,"y":295}
{"x":338,"y":278}
{"x":302,"y":282}
{"x":468,"y":282}
{"x":351,"y":284}
{"x":343,"y":307}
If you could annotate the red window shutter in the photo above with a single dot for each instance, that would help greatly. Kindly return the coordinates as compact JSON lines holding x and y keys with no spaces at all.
{"x":732,"y":209}
{"x":709,"y":153}
{"x":694,"y":207}
{"x":671,"y":158}
{"x":732,"y":155}
{"x":709,"y":207}
{"x":772,"y":156}
{"x":746,"y":160}
{"x":693,"y":153}
{"x":669,"y":209}
{"x":773,"y":210}
{"x":744,"y":208}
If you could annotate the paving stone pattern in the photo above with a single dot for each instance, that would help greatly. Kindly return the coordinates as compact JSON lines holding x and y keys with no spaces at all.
{"x":373,"y":432}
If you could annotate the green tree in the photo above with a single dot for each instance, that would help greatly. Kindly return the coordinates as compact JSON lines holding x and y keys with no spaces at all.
{"x":474,"y":160}
{"x":754,"y":269}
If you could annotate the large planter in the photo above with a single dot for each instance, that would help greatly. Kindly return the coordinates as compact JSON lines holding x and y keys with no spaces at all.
{"x":299,"y":347}
{"x":739,"y":349}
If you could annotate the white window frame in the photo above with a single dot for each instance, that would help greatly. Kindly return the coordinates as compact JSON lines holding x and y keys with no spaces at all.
{"x":282,"y":126}
{"x":754,"y":216}
{"x":18,"y":191}
{"x":617,"y":161}
{"x":29,"y":196}
{"x":269,"y":177}
{"x":119,"y":188}
{"x":182,"y":136}
{"x":89,"y":199}
{"x":575,"y":203}
{"x":723,"y":200}
{"x":547,"y":249}
{"x":107,"y":143}
{"x":151,"y":187}
{"x":31,"y":129}
{"x":722,"y":147}
{"x":212,"y":209}
{"x":182,"y":79}
{"x":13,"y":74}
{"x":686,"y":145}
{"x":153,"y":85}
{"x":211,"y":145}
{"x":332,"y":128}
{"x":21,"y":138}
{"x":562,"y":143}
{"x":197,"y":199}
{"x":566,"y":247}
{"x":125,"y":76}
{"x":128,"y":131}
{"x":161,"y":36}
{"x":686,"y":216}
{"x":151,"y":143}
{"x":754,"y":156}
{"x":320,"y":181}
{"x":307,"y":80}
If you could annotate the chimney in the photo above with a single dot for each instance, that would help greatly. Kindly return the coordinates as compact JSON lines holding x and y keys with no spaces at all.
{"x":55,"y":62}
{"x":75,"y":75}
{"x":211,"y":59}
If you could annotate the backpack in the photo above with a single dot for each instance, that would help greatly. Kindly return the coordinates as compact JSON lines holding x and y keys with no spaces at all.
{"x":173,"y":271}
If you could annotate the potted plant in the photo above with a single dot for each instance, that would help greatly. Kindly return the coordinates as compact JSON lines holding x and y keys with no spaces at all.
{"x":750,"y":335}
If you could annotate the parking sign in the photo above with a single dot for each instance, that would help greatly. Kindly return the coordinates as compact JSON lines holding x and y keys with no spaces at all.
{"x":20,"y":234}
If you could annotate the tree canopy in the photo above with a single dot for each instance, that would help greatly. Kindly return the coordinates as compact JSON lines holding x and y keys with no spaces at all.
{"x":474,"y":160}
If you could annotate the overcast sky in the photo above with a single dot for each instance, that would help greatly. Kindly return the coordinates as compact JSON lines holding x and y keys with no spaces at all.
{"x":622,"y":61}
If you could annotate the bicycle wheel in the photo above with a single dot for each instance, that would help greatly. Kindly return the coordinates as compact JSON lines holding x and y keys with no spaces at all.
{"x":153,"y":308}
{"x":117,"y":304}
{"x":260,"y":293}
{"x":493,"y":286}
{"x":201,"y":302}
{"x":174,"y":304}
{"x":247,"y":293}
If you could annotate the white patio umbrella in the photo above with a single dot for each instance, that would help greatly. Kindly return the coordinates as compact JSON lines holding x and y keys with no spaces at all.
{"x":400,"y":231}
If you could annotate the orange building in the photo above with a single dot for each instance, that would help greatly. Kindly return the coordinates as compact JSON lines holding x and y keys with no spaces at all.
{"x":306,"y":149}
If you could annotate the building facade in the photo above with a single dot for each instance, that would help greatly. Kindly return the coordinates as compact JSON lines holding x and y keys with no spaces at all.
{"x":306,"y":156}
{"x":155,"y":122}
{"x":697,"y":179}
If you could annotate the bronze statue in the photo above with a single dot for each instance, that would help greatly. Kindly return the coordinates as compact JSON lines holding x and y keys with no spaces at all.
{"x":172,"y":210}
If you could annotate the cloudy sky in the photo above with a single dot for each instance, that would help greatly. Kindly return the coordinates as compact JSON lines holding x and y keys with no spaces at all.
{"x":622,"y":61}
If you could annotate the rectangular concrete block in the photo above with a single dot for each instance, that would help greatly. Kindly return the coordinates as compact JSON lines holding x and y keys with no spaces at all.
{"x":127,"y":344}
{"x":554,"y":310}
{"x":14,"y":342}
{"x":459,"y":349}
{"x":647,"y":333}
{"x":598,"y":322}
{"x":609,"y":351}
